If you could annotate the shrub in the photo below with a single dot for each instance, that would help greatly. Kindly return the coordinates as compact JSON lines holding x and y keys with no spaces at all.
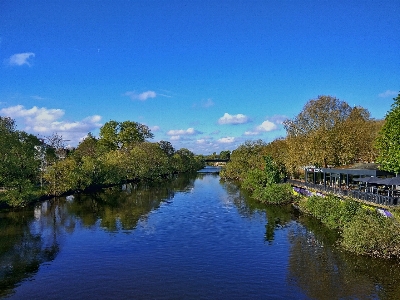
{"x":16,"y":198}
{"x":331,"y":210}
{"x":369,"y":233}
{"x":274,"y":194}
{"x":255,"y":179}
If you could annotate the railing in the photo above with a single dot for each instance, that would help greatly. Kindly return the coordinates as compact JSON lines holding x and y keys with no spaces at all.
{"x":360,"y":195}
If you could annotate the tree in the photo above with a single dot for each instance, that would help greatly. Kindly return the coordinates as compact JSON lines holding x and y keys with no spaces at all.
{"x":330,"y":132}
{"x":225,"y":154}
{"x":121,"y":135}
{"x":246,"y":157}
{"x":166,"y":147}
{"x":87,"y":147}
{"x":317,"y":122}
{"x":19,"y":165}
{"x":388,"y":141}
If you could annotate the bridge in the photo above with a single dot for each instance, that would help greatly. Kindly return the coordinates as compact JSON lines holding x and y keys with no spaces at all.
{"x":216,"y":160}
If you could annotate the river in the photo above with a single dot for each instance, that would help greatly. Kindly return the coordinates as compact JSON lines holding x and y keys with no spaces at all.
{"x":192,"y":238}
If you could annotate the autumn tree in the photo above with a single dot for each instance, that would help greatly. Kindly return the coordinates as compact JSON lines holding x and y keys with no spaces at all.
{"x":317,"y":123}
{"x":330,"y":132}
{"x":388,"y":141}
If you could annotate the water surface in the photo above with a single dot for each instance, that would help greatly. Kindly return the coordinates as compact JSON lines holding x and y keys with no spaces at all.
{"x":192,"y":238}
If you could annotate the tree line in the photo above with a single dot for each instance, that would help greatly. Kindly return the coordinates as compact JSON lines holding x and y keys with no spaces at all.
{"x":31,"y":167}
{"x":328,"y":132}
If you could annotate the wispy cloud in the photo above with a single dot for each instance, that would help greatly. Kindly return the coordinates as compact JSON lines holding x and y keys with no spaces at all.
{"x":252,"y":132}
{"x":233,"y":119}
{"x":189,"y":131}
{"x":20,"y":59}
{"x":38,"y":97}
{"x":44,"y":121}
{"x":226,"y":140}
{"x":388,"y":93}
{"x":278,"y":119}
{"x":142,"y":96}
{"x":204,"y":103}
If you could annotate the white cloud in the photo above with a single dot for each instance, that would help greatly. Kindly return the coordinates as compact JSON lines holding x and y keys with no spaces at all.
{"x":215,"y":132}
{"x":388,"y":93}
{"x":175,"y":138}
{"x":46,"y":121}
{"x":155,"y":128}
{"x":189,"y":131}
{"x":226,"y":140}
{"x":142,"y":96}
{"x":233,"y":119}
{"x":20,"y":59}
{"x":266,"y":126}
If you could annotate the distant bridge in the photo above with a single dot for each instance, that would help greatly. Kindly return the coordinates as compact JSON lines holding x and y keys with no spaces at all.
{"x":216,"y":160}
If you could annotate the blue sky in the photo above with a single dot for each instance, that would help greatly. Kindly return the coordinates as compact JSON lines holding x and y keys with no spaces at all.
{"x":204,"y":75}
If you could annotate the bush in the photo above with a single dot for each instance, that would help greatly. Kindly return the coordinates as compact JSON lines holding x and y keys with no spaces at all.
{"x":331,"y":210}
{"x":255,"y":179}
{"x":274,"y":194}
{"x":16,"y":198}
{"x":369,"y":233}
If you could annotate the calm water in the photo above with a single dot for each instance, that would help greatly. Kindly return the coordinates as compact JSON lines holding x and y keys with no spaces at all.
{"x":193,"y":238}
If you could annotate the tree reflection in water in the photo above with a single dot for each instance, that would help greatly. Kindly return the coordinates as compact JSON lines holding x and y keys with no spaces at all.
{"x":116,"y":210}
{"x":29,"y":239}
{"x":324,"y":272}
{"x":316,"y":266}
{"x":278,"y":217}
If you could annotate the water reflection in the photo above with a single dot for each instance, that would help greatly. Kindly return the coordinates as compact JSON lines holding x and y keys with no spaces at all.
{"x":277,"y":217}
{"x":28,"y":240}
{"x":121,"y":208}
{"x":324,"y":272}
{"x":203,"y":240}
{"x":315,"y":264}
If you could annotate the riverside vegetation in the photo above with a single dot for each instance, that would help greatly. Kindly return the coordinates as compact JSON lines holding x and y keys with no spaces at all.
{"x":328,"y":132}
{"x":31,"y":168}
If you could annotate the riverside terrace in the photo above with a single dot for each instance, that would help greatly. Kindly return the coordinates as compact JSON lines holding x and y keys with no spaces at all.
{"x":364,"y":184}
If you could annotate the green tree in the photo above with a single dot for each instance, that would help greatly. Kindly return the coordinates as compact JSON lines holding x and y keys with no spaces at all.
{"x":19,"y":164}
{"x":246,"y":157}
{"x":121,"y":135}
{"x":167,"y":148}
{"x":225,"y":154}
{"x":388,"y":141}
{"x":87,"y":147}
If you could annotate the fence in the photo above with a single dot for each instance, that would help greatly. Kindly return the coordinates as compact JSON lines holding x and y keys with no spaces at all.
{"x":356,"y":194}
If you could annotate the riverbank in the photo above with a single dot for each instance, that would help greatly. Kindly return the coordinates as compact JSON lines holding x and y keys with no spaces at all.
{"x":363,"y":229}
